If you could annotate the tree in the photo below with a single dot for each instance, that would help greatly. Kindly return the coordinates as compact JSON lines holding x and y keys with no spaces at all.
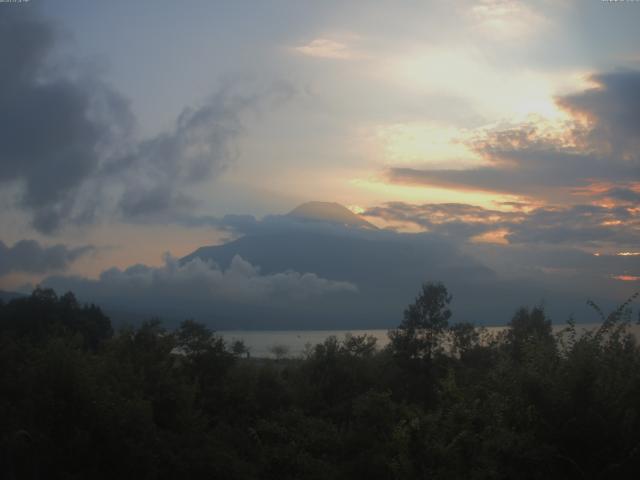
{"x":238,"y":348}
{"x":360,"y":345}
{"x":205,"y":352}
{"x":464,"y":337}
{"x":279,"y":351}
{"x":196,"y":339}
{"x":424,"y":321}
{"x":529,"y":332}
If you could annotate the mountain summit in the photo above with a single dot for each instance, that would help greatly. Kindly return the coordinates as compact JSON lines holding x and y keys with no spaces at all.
{"x":329,"y":212}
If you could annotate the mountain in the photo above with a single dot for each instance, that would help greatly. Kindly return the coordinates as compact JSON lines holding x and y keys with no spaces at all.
{"x":329,"y":212}
{"x":330,"y":241}
{"x":318,"y":267}
{"x":8,"y":296}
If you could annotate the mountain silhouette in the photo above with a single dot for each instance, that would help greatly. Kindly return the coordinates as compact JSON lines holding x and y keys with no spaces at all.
{"x":297,"y":259}
{"x":332,"y":242}
{"x":6,"y":296}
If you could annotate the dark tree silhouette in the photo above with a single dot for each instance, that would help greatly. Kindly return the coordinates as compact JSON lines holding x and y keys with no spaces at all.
{"x":77,"y":401}
{"x":424,"y":321}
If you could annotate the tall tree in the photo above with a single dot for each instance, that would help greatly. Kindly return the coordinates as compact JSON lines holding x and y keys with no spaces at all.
{"x":424,"y":321}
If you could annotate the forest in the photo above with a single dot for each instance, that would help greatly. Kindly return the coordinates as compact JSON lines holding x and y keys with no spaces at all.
{"x":443,"y":400}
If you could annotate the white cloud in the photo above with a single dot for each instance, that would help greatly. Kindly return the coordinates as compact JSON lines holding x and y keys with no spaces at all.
{"x":198,"y":280}
{"x":327,"y":48}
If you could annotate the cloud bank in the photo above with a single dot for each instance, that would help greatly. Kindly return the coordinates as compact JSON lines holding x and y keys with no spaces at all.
{"x":586,"y":226}
{"x":201,"y":282}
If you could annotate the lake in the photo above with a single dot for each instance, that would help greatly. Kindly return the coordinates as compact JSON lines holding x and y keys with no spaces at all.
{"x":295,"y":341}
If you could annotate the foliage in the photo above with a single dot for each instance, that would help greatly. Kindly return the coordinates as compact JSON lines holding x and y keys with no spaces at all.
{"x":81,"y":401}
{"x":425,"y":320}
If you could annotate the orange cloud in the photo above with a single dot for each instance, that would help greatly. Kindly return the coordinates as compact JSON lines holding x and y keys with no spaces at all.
{"x":626,"y":278}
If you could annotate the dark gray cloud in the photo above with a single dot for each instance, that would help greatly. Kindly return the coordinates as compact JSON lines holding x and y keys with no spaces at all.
{"x":55,"y":127}
{"x":623,"y":194}
{"x":613,"y":107}
{"x":67,"y":138}
{"x":531,"y":170}
{"x":586,"y":225}
{"x":31,"y":257}
{"x":158,"y":171}
{"x":526,"y":160}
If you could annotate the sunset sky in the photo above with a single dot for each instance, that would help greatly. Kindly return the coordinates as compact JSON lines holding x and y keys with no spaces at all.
{"x":510,"y":128}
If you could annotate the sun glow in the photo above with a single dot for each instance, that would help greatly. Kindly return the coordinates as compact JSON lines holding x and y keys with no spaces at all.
{"x":465,"y":74}
{"x":380,"y":191}
{"x":426,"y":143}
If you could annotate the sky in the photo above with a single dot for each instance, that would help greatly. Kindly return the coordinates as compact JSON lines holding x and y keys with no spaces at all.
{"x":510,"y":129}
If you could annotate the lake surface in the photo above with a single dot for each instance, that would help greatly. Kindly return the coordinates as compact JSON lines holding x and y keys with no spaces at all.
{"x":260,"y":343}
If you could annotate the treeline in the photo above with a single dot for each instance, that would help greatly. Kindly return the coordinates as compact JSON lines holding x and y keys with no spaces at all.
{"x":441,"y":401}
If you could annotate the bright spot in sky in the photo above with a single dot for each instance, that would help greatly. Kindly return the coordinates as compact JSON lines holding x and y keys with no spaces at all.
{"x":503,"y":20}
{"x":494,"y":92}
{"x":381,"y":191}
{"x":356,"y":209}
{"x":425,"y":143}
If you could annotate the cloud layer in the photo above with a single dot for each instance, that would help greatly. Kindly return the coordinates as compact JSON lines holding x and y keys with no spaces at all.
{"x":200,"y":281}
{"x":586,"y":226}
